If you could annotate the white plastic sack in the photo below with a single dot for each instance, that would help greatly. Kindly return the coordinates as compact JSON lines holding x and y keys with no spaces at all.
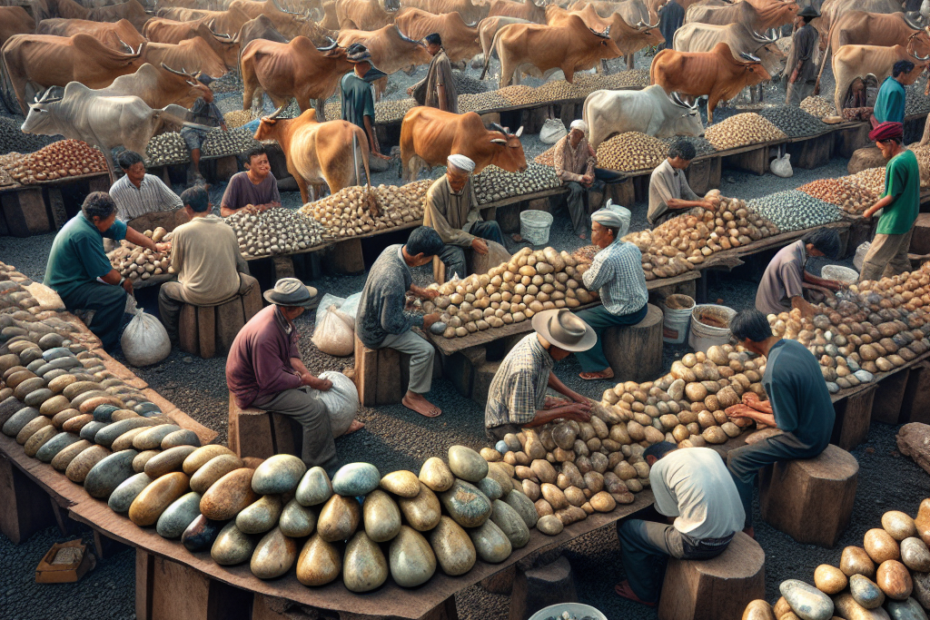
{"x":552,"y":131}
{"x":144,"y":341}
{"x":341,"y":401}
{"x":861,"y":251}
{"x":350,"y":305}
{"x":781,"y":166}
{"x":335,"y":332}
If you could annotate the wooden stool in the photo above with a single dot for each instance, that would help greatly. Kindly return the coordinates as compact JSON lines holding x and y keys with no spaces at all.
{"x":540,"y":587}
{"x":716,"y":588}
{"x":634,"y":352}
{"x":210,"y":330}
{"x":381,"y":375}
{"x":811,"y":500}
{"x":259,"y":433}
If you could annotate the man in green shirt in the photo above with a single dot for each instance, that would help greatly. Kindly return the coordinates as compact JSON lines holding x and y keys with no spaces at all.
{"x":80,"y":272}
{"x":889,"y":103}
{"x":358,"y":99}
{"x":887,"y":255}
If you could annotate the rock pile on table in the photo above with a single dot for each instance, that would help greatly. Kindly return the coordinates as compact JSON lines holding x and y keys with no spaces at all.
{"x":6,"y":179}
{"x":818,"y":107}
{"x":166,"y":149}
{"x":482,"y":102}
{"x":348,"y":212}
{"x":915,"y":102}
{"x":275,"y":231}
{"x":59,"y":160}
{"x":795,"y":210}
{"x":518,"y":94}
{"x":138,"y":263}
{"x":872,"y":179}
{"x":742,"y":130}
{"x":389,"y":110}
{"x":238,"y":118}
{"x":465,"y":85}
{"x":847,"y":195}
{"x":923,"y":162}
{"x":631,"y":151}
{"x":794,"y":122}
{"x":219,"y":143}
{"x":12,"y":138}
{"x":701,"y":145}
{"x":494,"y":183}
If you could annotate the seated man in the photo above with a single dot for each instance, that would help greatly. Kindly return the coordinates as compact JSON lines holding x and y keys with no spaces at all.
{"x":669,"y":192}
{"x":782,"y":285}
{"x":80,"y":272}
{"x":383,"y":322}
{"x":617,"y":274}
{"x":517,"y":396}
{"x":799,"y":404}
{"x":205,"y":255}
{"x":452,"y":211}
{"x":138,"y":193}
{"x":574,"y":161}
{"x":264,"y":370}
{"x":256,"y":187}
{"x":695,"y":488}
{"x":203,"y":112}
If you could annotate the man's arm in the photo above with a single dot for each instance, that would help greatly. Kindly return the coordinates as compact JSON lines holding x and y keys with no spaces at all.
{"x":135,"y":237}
{"x":833,"y":285}
{"x":394,"y":320}
{"x":575,"y":411}
{"x":881,"y":204}
{"x":307,"y":377}
{"x":558,"y":160}
{"x":556,"y":384}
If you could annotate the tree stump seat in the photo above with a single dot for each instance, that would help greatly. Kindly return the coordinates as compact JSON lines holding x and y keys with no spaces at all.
{"x":261,"y":434}
{"x":537,"y":588}
{"x":210,"y":330}
{"x":381,"y":375}
{"x":634,"y":352}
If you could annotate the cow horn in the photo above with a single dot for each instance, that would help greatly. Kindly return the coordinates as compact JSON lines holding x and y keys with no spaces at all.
{"x":332,"y":45}
{"x":175,"y":71}
{"x":278,"y":6}
{"x":220,"y":36}
{"x":677,"y":100}
{"x":123,"y":43}
{"x":404,"y":37}
{"x":907,"y":20}
{"x":498,"y":141}
{"x":749,"y":57}
{"x":497,"y":127}
{"x":519,"y":132}
{"x":922,"y":58}
{"x":276,"y":113}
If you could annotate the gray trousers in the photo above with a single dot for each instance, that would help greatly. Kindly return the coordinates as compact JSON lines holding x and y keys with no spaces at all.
{"x":798,"y":92}
{"x":453,"y":256}
{"x":171,"y":299}
{"x":575,"y":203}
{"x":887,"y":256}
{"x":317,"y":446}
{"x":421,"y":359}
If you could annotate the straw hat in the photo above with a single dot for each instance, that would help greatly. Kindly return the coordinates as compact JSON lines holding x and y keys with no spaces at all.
{"x":292,"y":292}
{"x":564,"y":329}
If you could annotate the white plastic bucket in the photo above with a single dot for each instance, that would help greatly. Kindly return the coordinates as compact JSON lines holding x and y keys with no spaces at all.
{"x":704,"y":336}
{"x":535,"y":225}
{"x":677,"y":312}
{"x":840,"y":273}
{"x":578,"y":610}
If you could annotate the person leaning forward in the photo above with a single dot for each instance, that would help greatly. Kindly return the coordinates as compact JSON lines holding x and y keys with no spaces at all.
{"x":517,"y":396}
{"x":264,"y":370}
{"x":138,"y":193}
{"x":256,"y":188}
{"x":574,"y":162}
{"x":669,"y":192}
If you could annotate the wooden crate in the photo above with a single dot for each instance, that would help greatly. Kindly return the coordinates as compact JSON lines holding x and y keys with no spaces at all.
{"x":853,"y":416}
{"x":812,"y":153}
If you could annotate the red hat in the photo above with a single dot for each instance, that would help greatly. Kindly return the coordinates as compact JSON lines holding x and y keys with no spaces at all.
{"x":886,"y":131}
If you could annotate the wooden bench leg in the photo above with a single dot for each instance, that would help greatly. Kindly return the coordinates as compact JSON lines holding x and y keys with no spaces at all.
{"x":853,"y":416}
{"x":188,"y":334}
{"x":915,"y":406}
{"x":206,"y":331}
{"x":540,"y":587}
{"x":889,"y":396}
{"x":25,"y":213}
{"x":346,"y":258}
{"x":229,"y":320}
{"x":25,"y":508}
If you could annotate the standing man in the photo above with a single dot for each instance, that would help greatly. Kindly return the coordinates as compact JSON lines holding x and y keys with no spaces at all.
{"x":204,"y":112}
{"x":264,"y":370}
{"x":256,"y":187}
{"x":671,"y":16}
{"x":887,"y":256}
{"x":695,"y":488}
{"x":669,"y":192}
{"x":205,"y":255}
{"x":437,"y":90}
{"x":799,"y":404}
{"x":383,"y":321}
{"x":617,"y":274}
{"x":80,"y":272}
{"x":138,"y":193}
{"x":517,"y":397}
{"x":574,"y":161}
{"x":890,"y":101}
{"x":802,"y":59}
{"x":358,"y":95}
{"x":782,"y":285}
{"x":452,"y":211}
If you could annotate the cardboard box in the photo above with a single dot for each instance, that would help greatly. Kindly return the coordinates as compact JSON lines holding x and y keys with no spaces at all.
{"x":65,"y":563}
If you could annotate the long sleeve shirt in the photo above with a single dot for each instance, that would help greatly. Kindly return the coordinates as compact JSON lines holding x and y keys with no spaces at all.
{"x":381,"y":308}
{"x":804,"y":49}
{"x":890,"y":102}
{"x":572,"y":163}
{"x":449,"y":214}
{"x":205,"y":254}
{"x":665,"y":184}
{"x":151,"y":196}
{"x":259,"y":363}
{"x":518,"y":389}
{"x":617,"y":274}
{"x":438,"y":74}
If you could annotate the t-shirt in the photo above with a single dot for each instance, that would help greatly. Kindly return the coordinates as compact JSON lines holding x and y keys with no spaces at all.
{"x":782,"y":280}
{"x":241,"y":191}
{"x":358,"y":100}
{"x":902,"y":180}
{"x":667,"y":183}
{"x":205,"y":254}
{"x":77,"y":255}
{"x":889,"y":104}
{"x":381,"y":310}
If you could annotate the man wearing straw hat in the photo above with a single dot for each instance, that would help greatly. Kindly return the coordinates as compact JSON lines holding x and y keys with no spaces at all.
{"x":517,"y":397}
{"x":264,"y":370}
{"x":574,"y":161}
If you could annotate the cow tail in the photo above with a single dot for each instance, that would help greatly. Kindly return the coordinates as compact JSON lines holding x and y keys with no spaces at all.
{"x":372,"y":199}
{"x":487,"y":58}
{"x":823,"y":62}
{"x":6,"y":86}
{"x":652,"y":68}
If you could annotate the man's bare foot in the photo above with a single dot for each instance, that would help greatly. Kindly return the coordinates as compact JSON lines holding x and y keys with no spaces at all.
{"x":607,"y":373}
{"x":583,"y":237}
{"x":624,"y":590}
{"x":419,"y":404}
{"x":355,"y":426}
{"x":517,"y":237}
{"x":750,"y":531}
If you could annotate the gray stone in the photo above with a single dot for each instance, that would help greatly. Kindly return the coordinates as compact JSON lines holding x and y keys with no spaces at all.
{"x":364,"y":566}
{"x":356,"y":479}
{"x":915,"y":554}
{"x":921,"y":588}
{"x":232,"y":547}
{"x":806,"y":601}
{"x":260,"y":516}
{"x":494,"y":547}
{"x":122,"y":497}
{"x":466,"y":504}
{"x":178,"y":515}
{"x":866,"y":592}
{"x":314,"y":488}
{"x":297,"y":521}
{"x":905,"y":610}
{"x":278,"y":474}
{"x":467,"y":464}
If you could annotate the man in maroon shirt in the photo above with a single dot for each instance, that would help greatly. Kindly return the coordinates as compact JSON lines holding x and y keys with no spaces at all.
{"x":264,"y":370}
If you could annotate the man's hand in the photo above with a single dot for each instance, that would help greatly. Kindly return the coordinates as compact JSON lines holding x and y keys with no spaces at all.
{"x":479,"y":246}
{"x":587,"y":180}
{"x":163,"y":247}
{"x":410,"y":91}
{"x":577,"y":411}
{"x":127,"y":286}
{"x":429,"y":319}
{"x":316,"y":383}
{"x":423,"y":293}
{"x":750,"y":397}
{"x":741,"y":411}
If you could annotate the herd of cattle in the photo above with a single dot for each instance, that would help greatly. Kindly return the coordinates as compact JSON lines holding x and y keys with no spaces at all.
{"x":125,"y":68}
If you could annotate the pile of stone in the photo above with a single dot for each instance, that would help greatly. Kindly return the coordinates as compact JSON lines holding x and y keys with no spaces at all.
{"x":818,"y":107}
{"x":794,"y":122}
{"x":742,"y":130}
{"x":493,"y":183}
{"x":795,"y":210}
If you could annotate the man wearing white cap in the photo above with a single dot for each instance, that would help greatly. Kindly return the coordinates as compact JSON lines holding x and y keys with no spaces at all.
{"x":452,"y":211}
{"x":574,"y":161}
{"x":517,"y":396}
{"x":617,"y":274}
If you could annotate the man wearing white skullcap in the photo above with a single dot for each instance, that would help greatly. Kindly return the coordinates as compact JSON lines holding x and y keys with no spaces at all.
{"x":574,"y":162}
{"x":452,"y":210}
{"x":617,"y":274}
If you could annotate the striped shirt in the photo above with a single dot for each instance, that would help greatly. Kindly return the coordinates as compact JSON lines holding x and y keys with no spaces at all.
{"x":518,"y":390}
{"x":151,"y":196}
{"x":617,"y":274}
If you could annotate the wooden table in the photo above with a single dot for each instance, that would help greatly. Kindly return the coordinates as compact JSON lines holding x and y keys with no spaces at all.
{"x":40,"y":208}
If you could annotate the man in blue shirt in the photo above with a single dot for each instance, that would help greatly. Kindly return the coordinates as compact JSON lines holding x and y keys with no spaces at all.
{"x":889,"y":104}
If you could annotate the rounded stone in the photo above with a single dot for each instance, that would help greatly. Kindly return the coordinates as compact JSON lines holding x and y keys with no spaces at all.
{"x":124,"y":441}
{"x":849,"y":609}
{"x":314,"y":488}
{"x":260,"y":516}
{"x":108,"y":473}
{"x":122,"y":497}
{"x":412,"y":560}
{"x":274,"y":555}
{"x":364,"y":566}
{"x":108,"y":434}
{"x":899,"y":525}
{"x":467,"y":464}
{"x":104,"y":413}
{"x":278,"y":474}
{"x":32,"y":429}
{"x":881,"y":546}
{"x":64,"y":458}
{"x":829,"y":579}
{"x":524,"y":507}
{"x":214,"y":469}
{"x":176,"y":517}
{"x":423,"y":511}
{"x":16,"y":423}
{"x":228,"y":496}
{"x":201,"y":533}
{"x":156,"y":497}
{"x":436,"y":475}
{"x":150,"y":438}
{"x":89,"y":431}
{"x":491,"y":544}
{"x":182,"y":437}
{"x":320,"y":562}
{"x":855,"y":561}
{"x":500,"y":476}
{"x":806,"y":601}
{"x":510,"y":523}
{"x":381,"y":516}
{"x":168,"y":461}
{"x":866,"y":592}
{"x":550,"y":525}
{"x":454,"y":550}
{"x":356,"y":479}
{"x":915,"y":554}
{"x":201,"y":456}
{"x":758,"y":610}
{"x":402,"y":483}
{"x":894,"y":579}
{"x":297,"y":521}
{"x":339,"y":518}
{"x":56,"y":444}
{"x":138,"y":463}
{"x":905,"y":610}
{"x":232,"y":547}
{"x":491,"y":488}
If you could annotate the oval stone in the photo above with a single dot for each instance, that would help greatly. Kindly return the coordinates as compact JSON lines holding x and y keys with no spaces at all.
{"x":74,"y":423}
{"x":319,"y":563}
{"x":412,"y":560}
{"x":297,"y":521}
{"x":454,"y":550}
{"x":56,"y":444}
{"x":899,"y":525}
{"x":274,"y":555}
{"x":922,"y":522}
{"x":33,"y":427}
{"x":905,"y":610}
{"x":150,"y":438}
{"x":64,"y":458}
{"x":278,"y":474}
{"x":524,"y":507}
{"x":176,"y":517}
{"x":232,"y":547}
{"x":855,"y":561}
{"x":436,"y":475}
{"x":467,"y":464}
{"x":364,"y":567}
{"x":168,"y":461}
{"x":881,"y":546}
{"x":402,"y":483}
{"x":124,"y":441}
{"x":829,"y":579}
{"x":107,"y":474}
{"x":339,"y":518}
{"x":260,"y":516}
{"x":138,"y":463}
{"x":550,"y":525}
{"x":217,"y":467}
{"x":510,"y":523}
{"x":423,"y":511}
{"x":53,"y":405}
{"x":18,"y":420}
{"x":107,"y":435}
{"x":156,"y":497}
{"x":356,"y":479}
{"x":894,"y":579}
{"x":915,"y":554}
{"x":758,"y":610}
{"x":500,"y":476}
{"x":491,"y":489}
{"x":865,"y":592}
{"x":201,"y":456}
{"x":201,"y":533}
{"x":806,"y":601}
{"x":466,"y":504}
{"x":89,"y":431}
{"x":381,"y":516}
{"x":104,"y":413}
{"x":314,"y":488}
{"x":182,"y":437}
{"x":228,"y":496}
{"x":122,"y":497}
{"x":491,"y":543}
{"x":849,"y":609}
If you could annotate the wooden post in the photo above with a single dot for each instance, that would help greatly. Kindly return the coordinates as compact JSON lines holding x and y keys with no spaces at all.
{"x":508,"y":218}
{"x":226,"y":167}
{"x":230,"y":318}
{"x":257,"y":433}
{"x":848,"y":141}
{"x":811,"y":153}
{"x":188,"y":334}
{"x":346,"y":257}
{"x":206,"y":330}
{"x":56,"y":205}
{"x":540,"y":587}
{"x":99,"y":183}
{"x":25,"y":508}
{"x":283,"y":267}
{"x":755,"y":160}
{"x":915,"y":406}
{"x":699,"y":175}
{"x":853,"y":415}
{"x":889,"y":396}
{"x":24,"y":211}
{"x":622,"y":192}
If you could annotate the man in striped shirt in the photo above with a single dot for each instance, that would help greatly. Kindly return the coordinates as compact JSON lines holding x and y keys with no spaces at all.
{"x":138,"y":193}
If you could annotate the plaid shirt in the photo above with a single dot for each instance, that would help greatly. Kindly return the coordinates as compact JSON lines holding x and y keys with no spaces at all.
{"x":152,"y":195}
{"x":617,"y":273}
{"x":518,"y":390}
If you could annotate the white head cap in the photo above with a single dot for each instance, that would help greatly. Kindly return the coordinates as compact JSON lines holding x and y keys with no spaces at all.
{"x":580,"y":125}
{"x":608,"y":218}
{"x":461,"y":163}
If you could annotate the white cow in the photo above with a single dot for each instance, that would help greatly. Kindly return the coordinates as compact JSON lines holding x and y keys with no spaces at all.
{"x":648,"y":111}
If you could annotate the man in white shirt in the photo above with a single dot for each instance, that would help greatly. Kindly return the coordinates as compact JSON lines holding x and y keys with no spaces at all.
{"x":669,"y":192}
{"x":138,"y":193}
{"x":695,"y":487}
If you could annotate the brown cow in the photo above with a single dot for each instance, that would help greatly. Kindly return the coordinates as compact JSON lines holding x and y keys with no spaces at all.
{"x":223,"y":22}
{"x":48,"y":60}
{"x":757,"y":15}
{"x":330,"y":20}
{"x":14,"y":20}
{"x":715,"y":74}
{"x":365,"y":14}
{"x":116,"y":36}
{"x":286,"y":22}
{"x":852,"y":61}
{"x":832,"y":10}
{"x":159,"y":86}
{"x":540,"y":50}
{"x":470,"y":12}
{"x":489,"y":26}
{"x":261,"y":28}
{"x":458,"y":38}
{"x":528,"y":10}
{"x":428,"y":136}
{"x":629,"y":39}
{"x":634,"y":12}
{"x":391,"y":50}
{"x":131,"y":11}
{"x":883,"y":29}
{"x":225,"y":45}
{"x":193,"y":55}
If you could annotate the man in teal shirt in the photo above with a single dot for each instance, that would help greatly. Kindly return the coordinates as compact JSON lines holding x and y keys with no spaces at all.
{"x":889,"y":104}
{"x":887,"y":255}
{"x":358,"y":99}
{"x":80,"y":272}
